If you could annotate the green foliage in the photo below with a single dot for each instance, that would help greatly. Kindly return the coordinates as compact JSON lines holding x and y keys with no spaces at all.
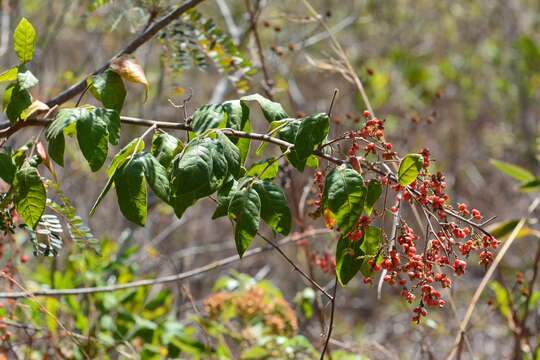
{"x":353,"y":255}
{"x":311,"y":132}
{"x":208,"y":117}
{"x":528,"y":182}
{"x":7,"y":166}
{"x":245,"y":211}
{"x":264,"y":169}
{"x":274,"y":207}
{"x":16,"y":100}
{"x":192,"y":39}
{"x":94,"y":127}
{"x":108,"y":87}
{"x":344,"y":196}
{"x":409,"y":168}
{"x":272,"y":111}
{"x":374,"y":191}
{"x":24,"y":40}
{"x":165,"y":147}
{"x":30,"y":195}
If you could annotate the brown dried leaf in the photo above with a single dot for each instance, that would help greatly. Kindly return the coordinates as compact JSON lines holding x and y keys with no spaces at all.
{"x":128,"y":68}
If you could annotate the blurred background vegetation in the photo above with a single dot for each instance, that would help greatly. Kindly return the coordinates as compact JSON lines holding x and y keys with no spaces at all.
{"x":461,"y":78}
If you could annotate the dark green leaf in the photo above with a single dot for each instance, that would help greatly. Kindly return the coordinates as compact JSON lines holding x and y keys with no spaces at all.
{"x":232,"y":154}
{"x":30,"y":195}
{"x":311,"y":132}
{"x":92,"y":134}
{"x":95,"y":127}
{"x":410,"y":167}
{"x":109,"y":88}
{"x":24,"y":40}
{"x":135,"y":146}
{"x":288,"y":133}
{"x":344,"y":195}
{"x":16,"y":100}
{"x":272,"y":110}
{"x":224,"y":196}
{"x":191,"y":173}
{"x":208,"y":117}
{"x":271,"y":166}
{"x":7,"y":166}
{"x":165,"y":147}
{"x":244,"y":144}
{"x":374,"y":191}
{"x":274,"y":207}
{"x":131,"y":191}
{"x":237,"y":114}
{"x":530,"y":186}
{"x":245,"y":210}
{"x":55,"y":132}
{"x":156,"y":175}
{"x":348,"y":259}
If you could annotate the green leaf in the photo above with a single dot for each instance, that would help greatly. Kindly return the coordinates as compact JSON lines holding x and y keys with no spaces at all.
{"x":274,"y":207}
{"x":7,"y":166}
{"x":165,"y":147}
{"x":95,"y":127}
{"x":288,"y":133}
{"x":311,"y":132}
{"x":155,"y":174}
{"x":374,"y":191}
{"x":92,"y":135}
{"x":237,"y":114}
{"x":244,"y":144}
{"x":272,"y":111}
{"x":25,"y":78}
{"x":108,"y":88}
{"x":530,"y":186}
{"x":24,"y":40}
{"x":370,"y":247}
{"x":208,"y":117}
{"x":131,"y":191}
{"x":516,"y":172}
{"x":9,"y":75}
{"x":191,"y":173}
{"x":231,"y":153}
{"x":245,"y":210}
{"x":30,"y":195}
{"x":271,"y":166}
{"x":55,"y":133}
{"x":16,"y":100}
{"x":344,"y":195}
{"x":348,"y":259}
{"x":224,"y":196}
{"x":410,"y":167}
{"x":135,"y":146}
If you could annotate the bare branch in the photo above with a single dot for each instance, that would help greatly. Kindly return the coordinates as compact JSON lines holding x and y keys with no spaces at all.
{"x":160,"y":280}
{"x":145,"y":36}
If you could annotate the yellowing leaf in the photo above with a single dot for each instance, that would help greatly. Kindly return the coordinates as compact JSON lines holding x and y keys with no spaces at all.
{"x":36,"y":107}
{"x":329,"y":219}
{"x":128,"y":68}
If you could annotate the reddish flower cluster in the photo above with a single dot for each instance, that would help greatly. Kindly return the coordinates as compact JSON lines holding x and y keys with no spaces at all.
{"x":326,"y":261}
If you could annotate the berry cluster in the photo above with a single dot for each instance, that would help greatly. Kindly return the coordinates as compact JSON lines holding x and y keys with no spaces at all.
{"x":420,"y":265}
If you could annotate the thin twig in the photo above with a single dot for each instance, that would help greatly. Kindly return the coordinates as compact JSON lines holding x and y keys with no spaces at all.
{"x":253,"y":22}
{"x":487,"y":277}
{"x":160,"y":280}
{"x":144,"y":37}
{"x":331,"y":326}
